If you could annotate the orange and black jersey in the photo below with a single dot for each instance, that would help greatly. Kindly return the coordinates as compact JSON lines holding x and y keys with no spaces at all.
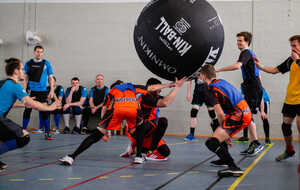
{"x":223,"y":93}
{"x":148,"y":109}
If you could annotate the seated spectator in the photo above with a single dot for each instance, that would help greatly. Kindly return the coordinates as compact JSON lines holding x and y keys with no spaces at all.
{"x":96,"y":100}
{"x":75,"y":97}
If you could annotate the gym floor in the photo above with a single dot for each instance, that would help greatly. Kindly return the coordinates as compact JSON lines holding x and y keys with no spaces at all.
{"x":100,"y":167}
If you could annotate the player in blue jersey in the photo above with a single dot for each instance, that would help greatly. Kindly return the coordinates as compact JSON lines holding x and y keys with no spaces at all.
{"x":13,"y":136}
{"x":251,"y":85}
{"x":37,"y":71}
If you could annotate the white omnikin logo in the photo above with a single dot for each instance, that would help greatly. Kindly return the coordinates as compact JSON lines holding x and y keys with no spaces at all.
{"x":181,"y":45}
{"x":155,"y":58}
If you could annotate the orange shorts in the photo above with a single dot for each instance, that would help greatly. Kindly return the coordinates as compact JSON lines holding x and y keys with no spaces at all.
{"x":238,"y":121}
{"x":112,"y":120}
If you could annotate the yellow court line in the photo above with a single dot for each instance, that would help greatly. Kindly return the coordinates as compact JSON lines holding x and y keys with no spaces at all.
{"x":149,"y":174}
{"x":46,"y":179}
{"x":73,"y":178}
{"x":238,"y":180}
{"x":126,"y":176}
{"x":103,"y":177}
{"x":172,"y":173}
{"x":16,"y":179}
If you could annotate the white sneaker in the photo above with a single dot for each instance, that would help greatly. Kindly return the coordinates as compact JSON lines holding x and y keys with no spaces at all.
{"x":139,"y":160}
{"x":67,"y":160}
{"x":128,"y":152}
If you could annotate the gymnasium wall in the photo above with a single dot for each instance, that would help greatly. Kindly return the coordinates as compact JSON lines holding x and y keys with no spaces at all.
{"x":84,"y":39}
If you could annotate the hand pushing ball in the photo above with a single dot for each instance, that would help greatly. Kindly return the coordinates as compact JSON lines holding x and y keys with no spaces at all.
{"x":174,"y":38}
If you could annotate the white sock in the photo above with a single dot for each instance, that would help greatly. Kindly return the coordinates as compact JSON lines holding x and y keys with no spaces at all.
{"x":78,"y":120}
{"x":67,"y":119}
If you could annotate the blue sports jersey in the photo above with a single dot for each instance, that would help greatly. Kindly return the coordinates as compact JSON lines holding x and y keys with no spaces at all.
{"x":9,"y":93}
{"x":42,"y":84}
{"x":266,"y":96}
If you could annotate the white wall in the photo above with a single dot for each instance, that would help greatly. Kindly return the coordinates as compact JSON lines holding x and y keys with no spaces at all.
{"x":84,"y":39}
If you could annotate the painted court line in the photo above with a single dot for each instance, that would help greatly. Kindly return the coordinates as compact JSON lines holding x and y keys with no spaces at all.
{"x":184,"y":172}
{"x":26,"y":169}
{"x":97,"y":177}
{"x":238,"y":180}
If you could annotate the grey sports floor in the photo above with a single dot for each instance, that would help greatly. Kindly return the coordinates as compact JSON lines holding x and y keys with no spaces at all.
{"x":36,"y":167}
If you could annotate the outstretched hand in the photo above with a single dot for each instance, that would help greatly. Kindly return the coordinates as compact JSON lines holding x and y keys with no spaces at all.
{"x":179,"y":83}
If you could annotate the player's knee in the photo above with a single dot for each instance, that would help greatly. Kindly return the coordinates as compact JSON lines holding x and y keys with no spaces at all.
{"x":212,"y":144}
{"x":194,"y":112}
{"x":23,"y":141}
{"x":164,"y":150}
{"x":286,"y":129}
{"x":212,"y":114}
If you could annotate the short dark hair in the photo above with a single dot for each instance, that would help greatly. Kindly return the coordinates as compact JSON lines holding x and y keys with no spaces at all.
{"x":152,"y":81}
{"x":295,"y":37}
{"x":54,"y":78}
{"x":247,"y":36}
{"x":38,"y":47}
{"x":116,"y":83}
{"x":209,"y":71}
{"x":11,"y":65}
{"x":75,"y":78}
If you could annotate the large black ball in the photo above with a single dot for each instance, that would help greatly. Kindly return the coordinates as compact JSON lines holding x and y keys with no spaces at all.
{"x":174,"y":38}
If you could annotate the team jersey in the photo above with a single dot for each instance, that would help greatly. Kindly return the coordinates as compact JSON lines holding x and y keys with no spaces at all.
{"x":148,"y":103}
{"x":37,"y":73}
{"x":249,"y":70}
{"x":10,"y":91}
{"x":80,"y":93}
{"x":223,"y":93}
{"x":293,"y":90}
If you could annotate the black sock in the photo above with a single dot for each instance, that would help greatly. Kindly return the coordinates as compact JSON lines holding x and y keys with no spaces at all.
{"x":256,"y":142}
{"x":266,"y":128}
{"x":140,"y":133}
{"x":224,"y":155}
{"x":192,"y":131}
{"x":245,"y":132}
{"x":87,"y":142}
{"x":214,"y":124}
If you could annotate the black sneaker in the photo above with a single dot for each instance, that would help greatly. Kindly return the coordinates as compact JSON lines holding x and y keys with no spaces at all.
{"x":242,"y":140}
{"x":249,"y":149}
{"x":84,"y":131}
{"x":255,"y":149}
{"x":218,"y":163}
{"x":267,"y":141}
{"x":231,"y":172}
{"x":66,"y":130}
{"x":76,"y":130}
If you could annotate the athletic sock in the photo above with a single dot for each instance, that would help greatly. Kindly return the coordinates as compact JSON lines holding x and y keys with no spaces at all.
{"x":192,"y":131}
{"x":56,"y":120}
{"x":266,"y":127}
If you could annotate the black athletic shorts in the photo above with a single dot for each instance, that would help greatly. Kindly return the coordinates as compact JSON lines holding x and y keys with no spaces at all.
{"x":199,"y":96}
{"x":291,"y":111}
{"x":9,"y":130}
{"x":39,"y":96}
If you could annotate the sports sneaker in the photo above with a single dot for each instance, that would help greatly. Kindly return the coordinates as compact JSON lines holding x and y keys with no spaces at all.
{"x":231,"y":172}
{"x":48,"y":137}
{"x":128,"y":153}
{"x":189,"y":137}
{"x":66,"y":130}
{"x":242,"y":140}
{"x":249,"y":149}
{"x":76,"y":130}
{"x":84,"y":131}
{"x":139,"y":160}
{"x":37,"y":131}
{"x":218,"y":163}
{"x":66,"y":160}
{"x":267,"y":141}
{"x":155,"y":156}
{"x":2,"y":165}
{"x":255,"y":149}
{"x":55,"y":131}
{"x":284,"y":156}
